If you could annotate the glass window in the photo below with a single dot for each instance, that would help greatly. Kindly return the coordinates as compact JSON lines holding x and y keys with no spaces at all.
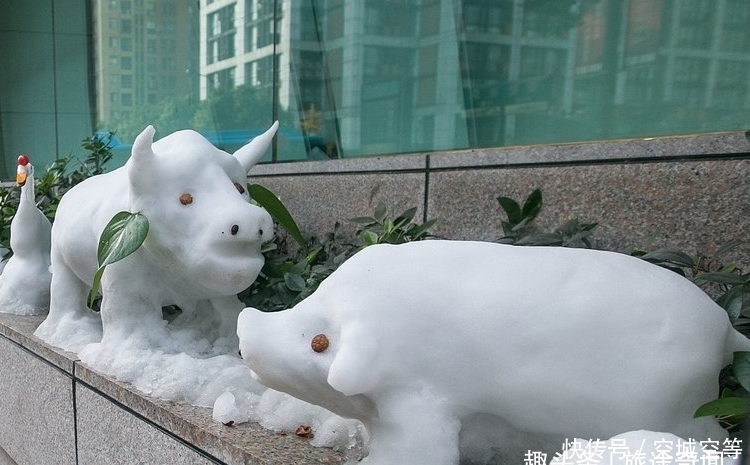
{"x":355,"y":78}
{"x":221,"y":34}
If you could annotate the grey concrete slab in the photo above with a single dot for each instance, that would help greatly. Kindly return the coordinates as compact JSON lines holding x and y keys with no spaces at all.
{"x":409,"y":162}
{"x":20,"y":329}
{"x":109,"y":434}
{"x":5,"y":459}
{"x":36,"y":408}
{"x":695,"y":145}
{"x":173,"y":432}
{"x":694,"y":206}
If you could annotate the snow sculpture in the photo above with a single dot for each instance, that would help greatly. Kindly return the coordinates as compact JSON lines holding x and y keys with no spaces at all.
{"x":412,"y":339}
{"x":24,"y":284}
{"x":202,"y":248}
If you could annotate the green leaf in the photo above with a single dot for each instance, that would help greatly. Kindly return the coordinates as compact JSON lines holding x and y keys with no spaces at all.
{"x":95,"y":285}
{"x":724,"y":407}
{"x":122,"y":236}
{"x":388,"y":226}
{"x":278,"y":211}
{"x":735,"y":301}
{"x":369,"y":237}
{"x":670,"y":256}
{"x":380,"y":212}
{"x":406,"y":216}
{"x":418,"y":231}
{"x":533,"y":204}
{"x":364,"y":220}
{"x":728,"y":247}
{"x":741,"y":368}
{"x":512,"y":209}
{"x":312,"y":257}
{"x":722,"y":278}
{"x":294,"y":282}
{"x":542,"y":239}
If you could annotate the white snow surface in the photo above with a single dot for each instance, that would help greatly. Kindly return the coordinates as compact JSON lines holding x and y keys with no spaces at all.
{"x":210,"y":373}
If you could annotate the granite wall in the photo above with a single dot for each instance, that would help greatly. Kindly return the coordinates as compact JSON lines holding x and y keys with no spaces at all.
{"x":56,"y":411}
{"x":689,"y":193}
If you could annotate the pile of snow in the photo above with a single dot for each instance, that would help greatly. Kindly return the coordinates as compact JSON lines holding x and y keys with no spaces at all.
{"x":187,"y":366}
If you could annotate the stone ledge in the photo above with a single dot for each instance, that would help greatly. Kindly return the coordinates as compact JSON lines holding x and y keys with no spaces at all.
{"x":704,"y":145}
{"x":181,"y":423}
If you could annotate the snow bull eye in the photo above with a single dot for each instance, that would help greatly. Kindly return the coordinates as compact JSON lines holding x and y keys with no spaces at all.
{"x":319,"y":343}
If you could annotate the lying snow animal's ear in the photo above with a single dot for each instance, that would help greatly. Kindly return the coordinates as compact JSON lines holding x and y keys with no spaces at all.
{"x":250,"y":154}
{"x":355,"y":350}
{"x":142,"y":157}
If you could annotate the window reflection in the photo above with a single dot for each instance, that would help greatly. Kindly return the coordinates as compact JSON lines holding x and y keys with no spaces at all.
{"x":354,"y":78}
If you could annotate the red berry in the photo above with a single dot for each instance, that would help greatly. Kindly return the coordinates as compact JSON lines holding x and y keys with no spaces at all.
{"x":23,"y":160}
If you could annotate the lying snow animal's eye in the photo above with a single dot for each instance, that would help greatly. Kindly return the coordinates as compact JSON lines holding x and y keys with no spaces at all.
{"x":239,"y":187}
{"x":186,"y":199}
{"x":319,"y":343}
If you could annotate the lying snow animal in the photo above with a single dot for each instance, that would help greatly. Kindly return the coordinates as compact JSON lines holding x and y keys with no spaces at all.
{"x":412,"y":339}
{"x":24,"y":284}
{"x":202,"y":248}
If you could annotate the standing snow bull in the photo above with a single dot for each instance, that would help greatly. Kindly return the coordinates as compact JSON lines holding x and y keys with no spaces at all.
{"x":202,"y":248}
{"x":415,"y":339}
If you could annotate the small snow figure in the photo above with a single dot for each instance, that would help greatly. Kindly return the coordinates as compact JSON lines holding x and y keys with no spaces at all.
{"x":25,"y":281}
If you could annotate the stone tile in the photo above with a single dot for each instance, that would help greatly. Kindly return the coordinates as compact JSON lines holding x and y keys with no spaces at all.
{"x":347,"y":165}
{"x":317,"y":202}
{"x":110,"y":434}
{"x":628,"y":149}
{"x":20,"y":329}
{"x":36,"y":408}
{"x":693,"y":206}
{"x":171,"y":426}
{"x":5,"y":458}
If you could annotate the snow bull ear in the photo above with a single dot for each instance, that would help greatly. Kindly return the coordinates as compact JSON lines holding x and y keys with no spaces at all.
{"x":142,"y":150}
{"x":250,"y":154}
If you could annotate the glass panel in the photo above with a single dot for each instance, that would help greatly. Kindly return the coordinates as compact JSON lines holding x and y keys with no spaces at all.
{"x":351,"y":78}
